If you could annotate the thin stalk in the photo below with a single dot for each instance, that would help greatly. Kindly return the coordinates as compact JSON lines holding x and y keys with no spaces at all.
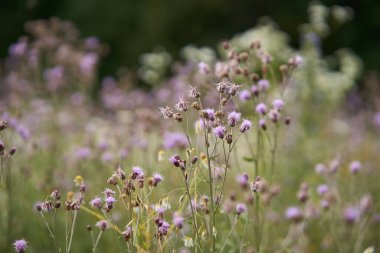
{"x":97,"y":241}
{"x":72,"y":229}
{"x":195,"y":227}
{"x":229,"y":233}
{"x":50,"y":232}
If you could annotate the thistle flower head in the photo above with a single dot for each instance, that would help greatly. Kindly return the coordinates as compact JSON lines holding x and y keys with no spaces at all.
{"x":293,"y":213}
{"x":102,"y":225}
{"x":194,"y":92}
{"x":182,"y":105}
{"x":20,"y":245}
{"x":245,"y":126}
{"x":209,"y":114}
{"x":203,"y":68}
{"x":240,"y":208}
{"x":108,"y":192}
{"x":220,"y":131}
{"x":157,"y":178}
{"x":166,"y":112}
{"x":96,"y":202}
{"x":137,"y":172}
{"x":233,"y":117}
{"x":245,"y":95}
{"x":261,"y":108}
{"x":355,"y":167}
{"x":278,"y":104}
{"x":263,"y":84}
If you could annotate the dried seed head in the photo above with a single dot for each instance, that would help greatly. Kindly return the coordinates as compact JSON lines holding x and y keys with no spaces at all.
{"x":196,"y":106}
{"x":12,"y":151}
{"x":243,"y":56}
{"x":3,"y":125}
{"x":229,"y":138}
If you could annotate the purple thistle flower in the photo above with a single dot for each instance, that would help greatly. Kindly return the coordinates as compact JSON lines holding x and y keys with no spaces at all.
{"x":245,"y":126}
{"x":83,"y":153}
{"x":137,"y":172}
{"x":262,"y":124}
{"x":242,"y":179}
{"x":182,"y":105}
{"x":127,"y":233}
{"x":209,"y":114}
{"x":20,"y":245}
{"x":102,"y":224}
{"x":175,"y":140}
{"x":164,"y":228}
{"x":255,"y":90}
{"x":166,"y":112}
{"x":96,"y":203}
{"x":293,"y":213}
{"x":178,"y":221}
{"x":233,"y":117}
{"x":108,"y":192}
{"x":175,"y":160}
{"x":157,"y":178}
{"x":240,"y":208}
{"x":320,"y":169}
{"x":351,"y":214}
{"x":263,"y":84}
{"x":278,"y":104}
{"x":261,"y":108}
{"x":322,"y":189}
{"x":355,"y":167}
{"x":194,"y":92}
{"x":220,"y":131}
{"x":203,"y":68}
{"x":245,"y":95}
{"x":110,"y":200}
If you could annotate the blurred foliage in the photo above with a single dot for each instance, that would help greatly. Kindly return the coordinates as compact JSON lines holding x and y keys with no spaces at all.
{"x":132,"y":28}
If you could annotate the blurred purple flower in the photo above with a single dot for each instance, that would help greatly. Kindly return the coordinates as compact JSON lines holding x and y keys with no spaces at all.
{"x":175,"y":140}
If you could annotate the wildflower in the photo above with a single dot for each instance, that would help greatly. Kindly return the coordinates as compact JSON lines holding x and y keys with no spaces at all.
{"x":293,"y":213}
{"x":166,"y":112}
{"x":194,"y":92}
{"x":175,"y":140}
{"x":245,"y":95}
{"x":233,"y":89}
{"x":255,"y":90}
{"x":175,"y":160}
{"x":242,"y":179}
{"x":55,"y":194}
{"x":96,"y":202}
{"x":295,"y":61}
{"x":137,"y":172}
{"x":108,"y":192}
{"x":262,"y":124}
{"x":233,"y":117}
{"x":163,"y":229}
{"x":157,"y":178}
{"x":240,"y":208}
{"x":263,"y":84}
{"x":366,"y":203}
{"x":261,"y":108}
{"x":188,"y":242}
{"x":278,"y":104}
{"x":220,"y":131}
{"x":102,"y":225}
{"x":127,"y":233}
{"x":222,"y":86}
{"x":182,"y":105}
{"x":209,"y":114}
{"x":320,"y":168}
{"x":203,"y":68}
{"x":110,"y":201}
{"x":178,"y":220}
{"x":351,"y":214}
{"x":245,"y":126}
{"x":322,"y":189}
{"x":274,"y":115}
{"x":355,"y":167}
{"x":20,"y":245}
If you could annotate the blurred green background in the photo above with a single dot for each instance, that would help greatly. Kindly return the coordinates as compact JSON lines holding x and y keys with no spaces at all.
{"x":133,"y":27}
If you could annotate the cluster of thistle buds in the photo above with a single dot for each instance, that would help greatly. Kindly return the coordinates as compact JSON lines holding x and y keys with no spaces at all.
{"x":12,"y":151}
{"x":53,"y":202}
{"x":162,"y":225}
